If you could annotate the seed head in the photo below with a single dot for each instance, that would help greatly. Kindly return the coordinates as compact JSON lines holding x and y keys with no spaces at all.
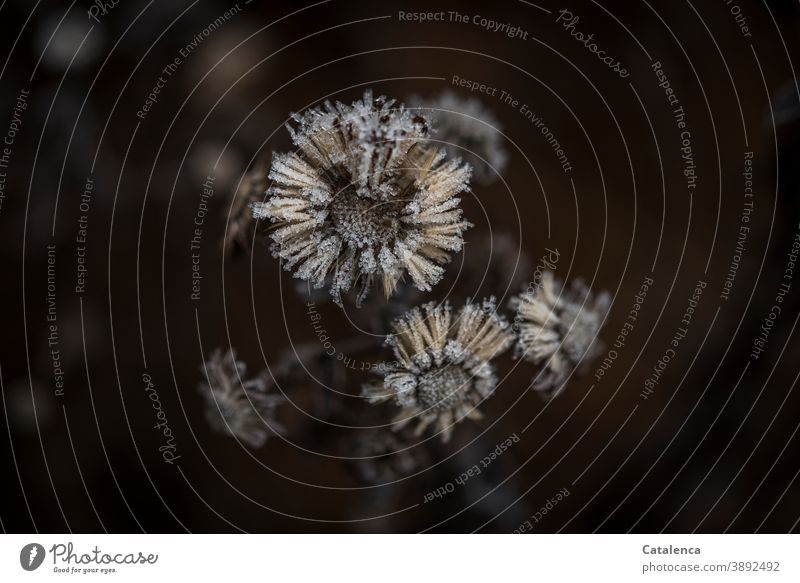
{"x":558,"y":326}
{"x":364,"y":199}
{"x":235,"y":405}
{"x":443,"y":368}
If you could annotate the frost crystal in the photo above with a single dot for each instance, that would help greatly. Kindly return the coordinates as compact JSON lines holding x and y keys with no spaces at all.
{"x":443,"y":368}
{"x":559,"y":326}
{"x":364,"y":199}
{"x":238,"y":407}
{"x":467,"y":128}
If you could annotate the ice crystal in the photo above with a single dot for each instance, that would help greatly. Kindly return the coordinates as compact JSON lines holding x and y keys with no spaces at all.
{"x":558,"y":326}
{"x":236,"y":405}
{"x":467,"y":128}
{"x":443,"y":368}
{"x":365,"y":199}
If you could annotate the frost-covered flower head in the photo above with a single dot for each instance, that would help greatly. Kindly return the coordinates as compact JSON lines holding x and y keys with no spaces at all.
{"x":558,"y":326}
{"x":443,"y":368}
{"x":236,"y":405}
{"x":467,"y":128}
{"x":365,"y":199}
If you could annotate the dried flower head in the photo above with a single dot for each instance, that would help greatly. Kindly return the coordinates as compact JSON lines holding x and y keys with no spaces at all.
{"x":364,"y":199}
{"x":235,"y":405}
{"x":559,"y":326}
{"x":443,"y":368}
{"x":467,"y":128}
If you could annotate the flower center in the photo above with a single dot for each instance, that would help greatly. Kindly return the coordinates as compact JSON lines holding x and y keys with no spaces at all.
{"x":365,"y":222}
{"x":443,"y":388}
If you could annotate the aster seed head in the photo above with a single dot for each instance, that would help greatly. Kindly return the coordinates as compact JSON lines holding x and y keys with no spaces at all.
{"x":443,"y":369}
{"x":236,"y":405}
{"x":365,"y":199}
{"x":558,"y":326}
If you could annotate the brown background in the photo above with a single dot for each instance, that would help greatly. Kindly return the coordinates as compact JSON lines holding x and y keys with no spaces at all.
{"x":735,"y":444}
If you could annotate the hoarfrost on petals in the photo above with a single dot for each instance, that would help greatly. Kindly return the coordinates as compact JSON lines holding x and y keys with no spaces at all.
{"x":558,"y":327}
{"x":236,"y":405}
{"x":365,"y":177}
{"x":443,"y":369}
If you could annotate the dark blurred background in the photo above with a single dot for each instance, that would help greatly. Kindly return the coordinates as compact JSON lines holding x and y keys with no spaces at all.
{"x":713,"y":448}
